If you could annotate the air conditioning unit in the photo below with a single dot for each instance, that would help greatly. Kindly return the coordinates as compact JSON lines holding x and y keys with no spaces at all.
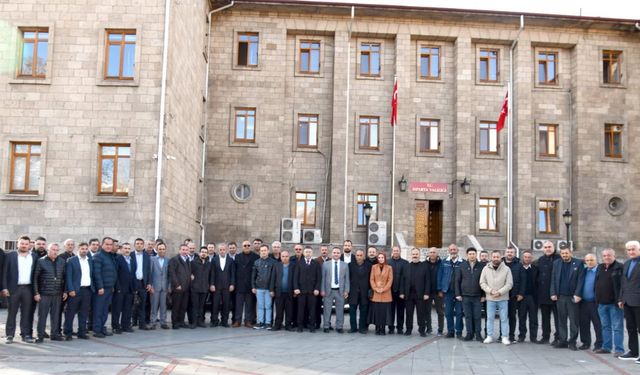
{"x":311,"y":236}
{"x":377,"y":233}
{"x":290,"y":230}
{"x":537,"y":244}
{"x":564,"y":244}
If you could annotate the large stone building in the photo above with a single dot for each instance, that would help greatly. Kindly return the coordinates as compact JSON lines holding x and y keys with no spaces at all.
{"x":292,"y":103}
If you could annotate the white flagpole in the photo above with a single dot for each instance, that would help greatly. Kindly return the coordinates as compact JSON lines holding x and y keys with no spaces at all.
{"x":393,"y":169}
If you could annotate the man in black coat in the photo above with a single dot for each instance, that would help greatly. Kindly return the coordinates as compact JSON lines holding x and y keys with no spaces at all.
{"x":200,"y":286}
{"x":142,"y":285}
{"x":180,"y":281}
{"x":528,"y":305}
{"x":105,"y":277}
{"x":397,"y":312}
{"x":2,"y":256}
{"x":547,"y":306}
{"x":49,"y":291}
{"x":629,"y":298}
{"x":223,"y":278}
{"x":434,"y":263}
{"x":245,"y":300}
{"x":122,"y":307}
{"x":283,"y":289}
{"x":414,"y":290}
{"x":17,"y":283}
{"x":565,"y":291}
{"x":468,"y":291}
{"x":511,"y":260}
{"x":359,"y":278}
{"x":608,"y":281}
{"x":306,"y":287}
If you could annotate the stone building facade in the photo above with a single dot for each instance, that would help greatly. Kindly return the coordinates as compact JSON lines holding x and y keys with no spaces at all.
{"x":295,"y":116}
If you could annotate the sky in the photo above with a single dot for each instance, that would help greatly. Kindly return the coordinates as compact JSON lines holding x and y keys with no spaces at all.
{"x":628,"y":9}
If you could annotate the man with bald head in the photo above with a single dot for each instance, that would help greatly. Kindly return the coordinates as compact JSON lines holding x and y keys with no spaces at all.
{"x":629,"y":298}
{"x":588,"y":309}
{"x":607,"y":290}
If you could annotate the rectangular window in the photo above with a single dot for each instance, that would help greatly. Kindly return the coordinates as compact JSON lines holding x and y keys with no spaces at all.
{"x":548,"y":140}
{"x":547,"y":68}
{"x":429,"y":135}
{"x":25,"y":167}
{"x":611,"y":61}
{"x":306,"y":208}
{"x":488,"y":213}
{"x":245,"y":128}
{"x":370,"y":59}
{"x":489,"y":71}
{"x":114,"y":162}
{"x":248,"y":49}
{"x":120,"y":54}
{"x":613,"y":140}
{"x":363,"y":198}
{"x":488,"y":138}
{"x":548,"y":217}
{"x":309,"y":62}
{"x":369,"y":128}
{"x":429,"y":62}
{"x":308,"y":131}
{"x":33,"y":52}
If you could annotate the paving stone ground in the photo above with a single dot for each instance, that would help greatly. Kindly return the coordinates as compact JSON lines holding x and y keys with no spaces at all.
{"x":244,"y":351}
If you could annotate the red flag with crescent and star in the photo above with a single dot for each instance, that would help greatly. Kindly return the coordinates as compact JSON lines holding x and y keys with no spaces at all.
{"x":503,"y":113}
{"x":394,"y":104}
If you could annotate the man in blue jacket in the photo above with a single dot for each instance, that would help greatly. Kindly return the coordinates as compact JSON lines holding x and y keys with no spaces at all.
{"x":104,"y":280}
{"x":125,"y":287}
{"x":79,"y":290}
{"x":564,"y":291}
{"x":452,"y":307}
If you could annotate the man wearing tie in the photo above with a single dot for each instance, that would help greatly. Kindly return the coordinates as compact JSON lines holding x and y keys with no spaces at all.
{"x":159,"y":286}
{"x":629,"y":299}
{"x":223,"y":278}
{"x":125,"y":287}
{"x":79,"y":290}
{"x":306,"y":286}
{"x":334,"y":288}
{"x":180,"y":277}
{"x":142,"y":284}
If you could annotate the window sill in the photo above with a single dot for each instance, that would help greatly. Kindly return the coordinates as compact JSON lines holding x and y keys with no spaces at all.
{"x":552,"y":159}
{"x":497,"y":83}
{"x":489,"y":156}
{"x":118,"y":83}
{"x":30,"y":81}
{"x":550,"y":236}
{"x":613,"y":85}
{"x":243,"y":144}
{"x":242,"y":67}
{"x":368,"y":152}
{"x":108,"y":199}
{"x":370,"y":78}
{"x":543,"y":87}
{"x":425,"y":154}
{"x":613,"y":160}
{"x":430,"y":80}
{"x":309,"y":75}
{"x":306,"y":149}
{"x":489,"y":234}
{"x":21,"y":197}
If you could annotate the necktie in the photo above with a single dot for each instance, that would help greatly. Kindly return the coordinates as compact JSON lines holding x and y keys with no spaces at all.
{"x":631,"y":267}
{"x":335,"y":273}
{"x":308,"y":262}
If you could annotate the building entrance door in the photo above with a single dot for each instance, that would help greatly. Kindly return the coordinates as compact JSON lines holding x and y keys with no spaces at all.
{"x":428,"y":219}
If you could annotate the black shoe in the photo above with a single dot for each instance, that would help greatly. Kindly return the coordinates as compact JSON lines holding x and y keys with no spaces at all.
{"x":83,"y":337}
{"x":312,"y":330}
{"x":584,"y":347}
{"x":117,"y":331}
{"x":46,"y":336}
{"x":572,"y":347}
{"x":147,"y":328}
{"x":628,"y":357}
{"x":177,"y":326}
{"x":128,"y":330}
{"x":58,"y":338}
{"x":39,"y":340}
{"x":8,"y":340}
{"x":363,"y":331}
{"x":399,"y":331}
{"x":28,"y":339}
{"x":423,"y":334}
{"x":107,"y":334}
{"x":191,"y":326}
{"x":276,"y":328}
{"x":201,"y":325}
{"x":164,"y":326}
{"x":353,"y":330}
{"x":407,"y":333}
{"x":68,"y":338}
{"x":450,"y":335}
{"x":468,"y":338}
{"x":326,"y":330}
{"x":479,"y":338}
{"x":99,"y":335}
{"x":288,"y":329}
{"x":459,"y":335}
{"x":555,"y":342}
{"x":299,"y":330}
{"x":543,"y":341}
{"x":391,"y":332}
{"x":339,"y":330}
{"x":561,"y":345}
{"x":520,"y":339}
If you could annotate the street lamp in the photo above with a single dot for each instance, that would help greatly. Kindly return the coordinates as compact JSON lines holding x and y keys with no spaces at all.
{"x":403,"y":184}
{"x":466,"y":186}
{"x":367,"y":208}
{"x":567,"y":217}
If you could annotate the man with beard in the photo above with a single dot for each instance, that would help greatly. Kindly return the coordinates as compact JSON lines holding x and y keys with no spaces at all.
{"x":245,"y":300}
{"x":468,"y":291}
{"x":347,"y":246}
{"x":629,"y":298}
{"x":359,"y":294}
{"x":414,"y":289}
{"x":511,"y":260}
{"x":398,"y":265}
{"x":180,"y":281}
{"x":372,"y":255}
{"x":564,"y":290}
{"x":122,"y":307}
{"x":496,"y":281}
{"x":200,"y":286}
{"x":49,"y":292}
{"x":434,"y":264}
{"x":104,"y":280}
{"x":78,"y":283}
{"x":142,"y":285}
{"x":547,"y":306}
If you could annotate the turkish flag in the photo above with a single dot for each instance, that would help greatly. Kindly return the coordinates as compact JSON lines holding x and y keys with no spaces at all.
{"x":503,"y":113}
{"x":394,"y":104}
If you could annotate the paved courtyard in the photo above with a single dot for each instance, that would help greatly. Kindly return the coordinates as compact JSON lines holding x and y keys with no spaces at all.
{"x":244,"y":351}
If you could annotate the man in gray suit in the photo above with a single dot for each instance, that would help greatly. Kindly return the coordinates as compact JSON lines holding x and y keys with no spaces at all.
{"x":159,"y":286}
{"x":334,"y":288}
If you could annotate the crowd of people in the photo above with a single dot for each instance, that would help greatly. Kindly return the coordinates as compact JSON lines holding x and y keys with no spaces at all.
{"x":243,"y":287}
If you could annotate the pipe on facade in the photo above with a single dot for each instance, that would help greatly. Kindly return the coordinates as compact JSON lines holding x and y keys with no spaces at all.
{"x":346,"y":140}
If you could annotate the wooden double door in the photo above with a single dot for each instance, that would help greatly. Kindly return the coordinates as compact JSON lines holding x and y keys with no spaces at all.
{"x":428,"y":219}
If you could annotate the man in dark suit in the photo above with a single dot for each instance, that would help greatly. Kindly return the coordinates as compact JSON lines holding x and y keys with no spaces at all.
{"x":245,"y":300}
{"x":306,"y":287}
{"x":528,"y":305}
{"x":564,"y":290}
{"x":200,"y":286}
{"x":397,"y":311}
{"x":125,"y":287}
{"x":105,"y":276}
{"x":359,"y":275}
{"x":223,"y":278}
{"x":17,"y":283}
{"x":180,"y":279}
{"x":513,"y":262}
{"x":629,"y":299}
{"x":543,"y":286}
{"x":79,"y":290}
{"x":283,"y":289}
{"x":2,"y":256}
{"x":142,"y":285}
{"x":414,"y":290}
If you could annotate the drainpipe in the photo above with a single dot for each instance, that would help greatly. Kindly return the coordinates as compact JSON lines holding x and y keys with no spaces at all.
{"x":161,"y":120}
{"x":205,"y":114}
{"x":346,"y":140}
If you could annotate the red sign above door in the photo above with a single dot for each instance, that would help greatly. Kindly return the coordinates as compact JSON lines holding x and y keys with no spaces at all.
{"x":429,"y":187}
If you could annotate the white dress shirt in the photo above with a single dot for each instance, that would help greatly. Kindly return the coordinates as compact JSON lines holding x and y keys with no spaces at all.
{"x":85,"y":279}
{"x":347,"y":259}
{"x":139,"y":257}
{"x":223,"y":262}
{"x":24,"y":269}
